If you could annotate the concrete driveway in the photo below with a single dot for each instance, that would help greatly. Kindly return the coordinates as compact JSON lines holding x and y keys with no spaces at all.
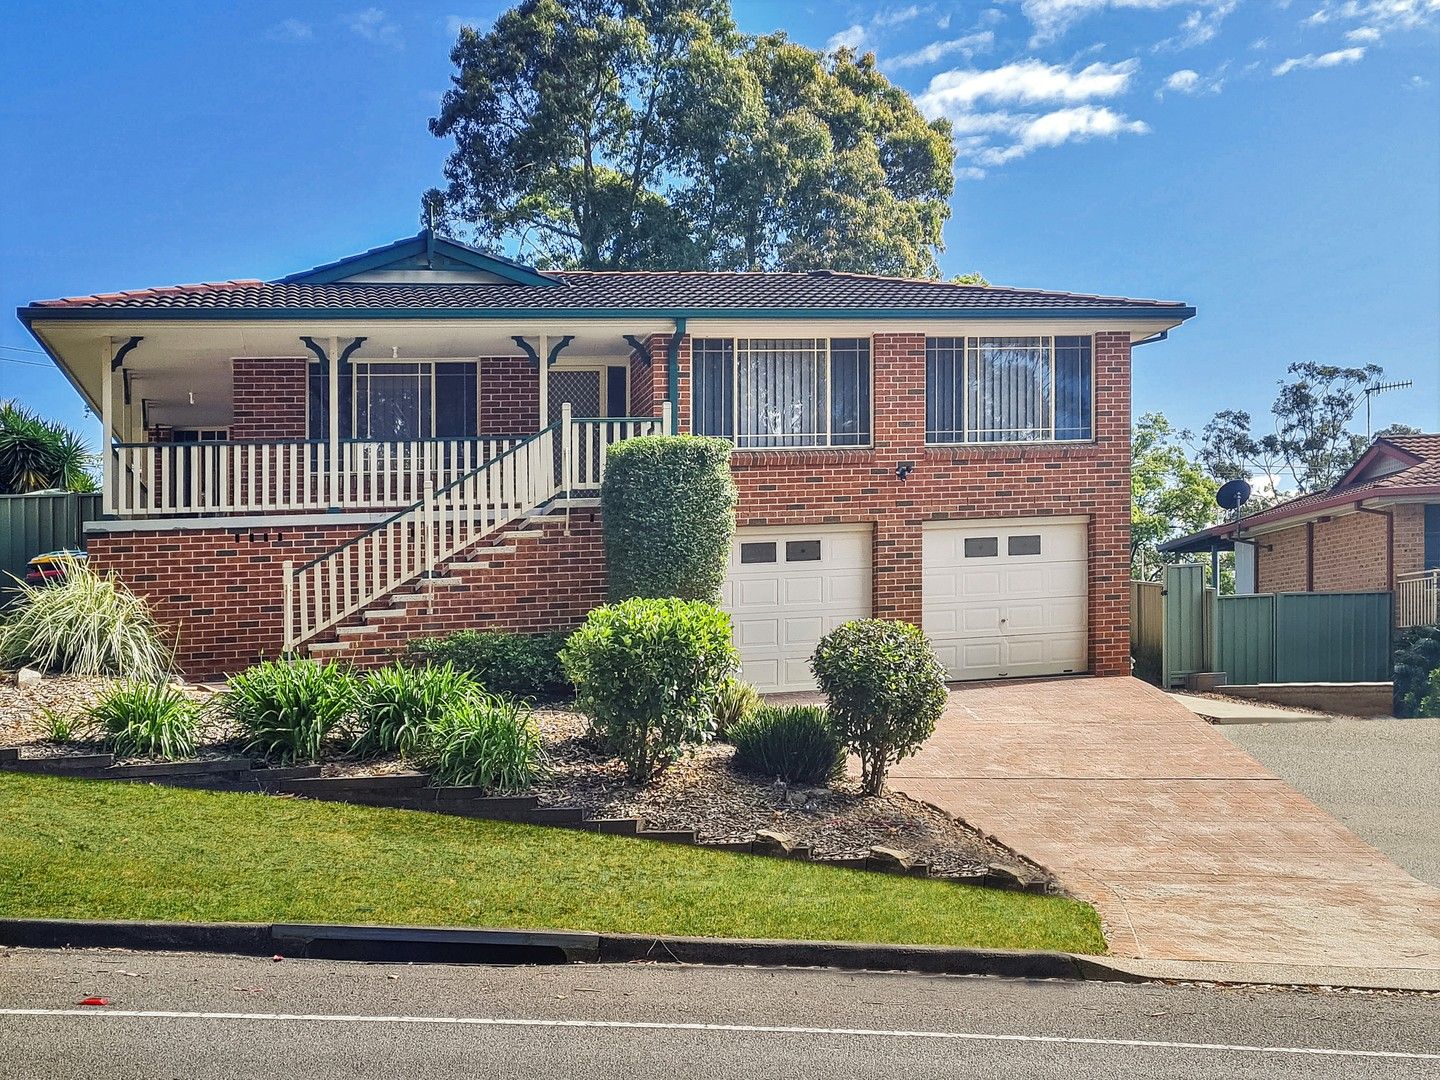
{"x":1189,"y":848}
{"x":1379,"y":778}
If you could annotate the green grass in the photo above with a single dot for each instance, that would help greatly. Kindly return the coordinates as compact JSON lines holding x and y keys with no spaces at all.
{"x":84,"y":849}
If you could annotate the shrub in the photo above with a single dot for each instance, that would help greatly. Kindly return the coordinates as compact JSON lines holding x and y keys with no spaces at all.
{"x":1430,"y":703}
{"x":397,"y":705}
{"x":58,"y":727}
{"x":1417,"y":657}
{"x":290,"y":708}
{"x":83,"y":623}
{"x":886,"y":690}
{"x":523,"y":665}
{"x":735,"y":702}
{"x":482,"y":740}
{"x":795,"y":743}
{"x":148,"y":719}
{"x":669,"y":515}
{"x":646,"y":672}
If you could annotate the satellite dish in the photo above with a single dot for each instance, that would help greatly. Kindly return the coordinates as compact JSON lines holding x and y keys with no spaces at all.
{"x":1233,"y":495}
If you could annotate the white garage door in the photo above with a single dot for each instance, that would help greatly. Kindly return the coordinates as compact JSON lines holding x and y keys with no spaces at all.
{"x":1006,"y":598}
{"x":786,"y":589}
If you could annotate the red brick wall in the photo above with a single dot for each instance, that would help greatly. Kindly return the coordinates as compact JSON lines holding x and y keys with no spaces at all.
{"x":271,"y":397}
{"x":1349,"y":552}
{"x":219,"y":592}
{"x":509,"y":396}
{"x":645,"y":394}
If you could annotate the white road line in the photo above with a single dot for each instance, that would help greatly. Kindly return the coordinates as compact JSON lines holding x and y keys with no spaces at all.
{"x":101,"y":1013}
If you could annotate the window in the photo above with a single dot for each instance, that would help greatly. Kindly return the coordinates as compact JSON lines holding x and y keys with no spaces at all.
{"x":398,"y":401}
{"x":1008,"y":389}
{"x":782,"y":392}
{"x":802,"y":551}
{"x":1023,"y":545}
{"x":982,"y":547}
{"x":753,"y":553}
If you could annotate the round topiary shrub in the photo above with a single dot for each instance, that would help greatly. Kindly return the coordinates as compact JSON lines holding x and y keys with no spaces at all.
{"x":886,"y":690}
{"x":668,"y":504}
{"x":646,"y":673}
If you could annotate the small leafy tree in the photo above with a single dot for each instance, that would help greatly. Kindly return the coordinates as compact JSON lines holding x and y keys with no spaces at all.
{"x":1170,"y":494}
{"x":886,"y":690}
{"x":647,"y":672}
{"x":668,"y":503}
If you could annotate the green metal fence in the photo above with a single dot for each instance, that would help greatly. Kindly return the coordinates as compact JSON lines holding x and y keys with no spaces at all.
{"x":1186,"y":640}
{"x":1302,"y":637}
{"x":31,"y":524}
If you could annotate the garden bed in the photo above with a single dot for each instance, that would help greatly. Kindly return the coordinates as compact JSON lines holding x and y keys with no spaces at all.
{"x":700,"y":792}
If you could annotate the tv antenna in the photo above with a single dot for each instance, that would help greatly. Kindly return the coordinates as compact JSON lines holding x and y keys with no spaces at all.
{"x":1380,"y":388}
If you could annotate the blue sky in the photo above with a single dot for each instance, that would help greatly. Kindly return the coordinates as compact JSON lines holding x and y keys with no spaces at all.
{"x":1277,"y":164}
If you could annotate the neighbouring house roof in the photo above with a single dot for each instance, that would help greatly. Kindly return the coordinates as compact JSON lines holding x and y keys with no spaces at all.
{"x":1392,"y":467}
{"x":514,"y":290}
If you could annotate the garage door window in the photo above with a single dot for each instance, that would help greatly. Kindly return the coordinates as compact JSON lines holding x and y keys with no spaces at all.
{"x":802,"y":551}
{"x":783,"y":392}
{"x":1023,"y":545}
{"x":982,"y":547}
{"x":757,"y":553}
{"x":1008,"y":389}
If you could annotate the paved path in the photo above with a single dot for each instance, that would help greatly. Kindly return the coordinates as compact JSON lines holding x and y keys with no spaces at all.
{"x":1188,"y":847}
{"x":1380,"y":778}
{"x":1235,"y":711}
{"x":207,"y":1018}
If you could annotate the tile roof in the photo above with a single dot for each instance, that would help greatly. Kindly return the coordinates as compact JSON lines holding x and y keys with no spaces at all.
{"x":680,"y":292}
{"x":1423,"y":474}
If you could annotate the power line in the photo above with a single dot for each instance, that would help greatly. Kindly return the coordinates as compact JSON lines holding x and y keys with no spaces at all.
{"x":22,"y":348}
{"x":27,"y":363}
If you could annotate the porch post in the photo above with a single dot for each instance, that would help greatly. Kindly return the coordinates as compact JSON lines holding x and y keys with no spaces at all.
{"x":107,"y":420}
{"x":543,"y":364}
{"x":333,"y":362}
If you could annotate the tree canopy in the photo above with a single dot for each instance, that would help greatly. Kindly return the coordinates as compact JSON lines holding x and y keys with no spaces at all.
{"x":623,"y":134}
{"x":39,"y":455}
{"x":1171,"y":494}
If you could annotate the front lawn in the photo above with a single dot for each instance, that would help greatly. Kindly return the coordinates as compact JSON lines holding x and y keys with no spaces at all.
{"x":83,"y":849}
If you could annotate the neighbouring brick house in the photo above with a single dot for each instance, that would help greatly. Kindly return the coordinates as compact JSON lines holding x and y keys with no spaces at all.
{"x":1377,"y":528}
{"x":410,"y":441}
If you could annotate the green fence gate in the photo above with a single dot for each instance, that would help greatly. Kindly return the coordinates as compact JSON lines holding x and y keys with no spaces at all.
{"x":1186,"y":645}
{"x":45,"y":521}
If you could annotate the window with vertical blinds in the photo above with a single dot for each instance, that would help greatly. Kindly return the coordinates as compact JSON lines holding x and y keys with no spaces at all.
{"x":782,"y":392}
{"x":1008,"y":389}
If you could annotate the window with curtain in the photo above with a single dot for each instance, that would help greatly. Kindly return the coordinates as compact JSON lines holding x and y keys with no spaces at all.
{"x":782,"y":392}
{"x":398,"y":401}
{"x":1008,"y":389}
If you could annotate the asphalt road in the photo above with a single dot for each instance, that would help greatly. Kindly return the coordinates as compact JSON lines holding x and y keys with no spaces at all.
{"x":203,"y":1017}
{"x":1380,"y":778}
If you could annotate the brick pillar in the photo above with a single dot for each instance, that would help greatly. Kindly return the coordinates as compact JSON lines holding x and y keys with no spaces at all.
{"x":898,"y":419}
{"x":509,"y":396}
{"x":1110,"y":524}
{"x":658,"y":346}
{"x":271,"y":397}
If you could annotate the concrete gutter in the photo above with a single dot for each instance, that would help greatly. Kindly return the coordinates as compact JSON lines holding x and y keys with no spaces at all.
{"x":452,"y":945}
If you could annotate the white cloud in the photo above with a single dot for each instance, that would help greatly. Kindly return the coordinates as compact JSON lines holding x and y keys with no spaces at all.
{"x":1260,"y":43}
{"x":1079,"y":123}
{"x":1025,"y":82}
{"x":373,"y":24}
{"x":896,"y":16}
{"x":290,"y":31}
{"x":852,"y":37}
{"x":1324,"y":60}
{"x":1186,"y":81}
{"x":966,"y":46}
{"x":1200,"y":26}
{"x":989,"y":132}
{"x":1383,"y":16}
{"x":1363,"y":35}
{"x":1051,"y":18}
{"x":1418,"y":82}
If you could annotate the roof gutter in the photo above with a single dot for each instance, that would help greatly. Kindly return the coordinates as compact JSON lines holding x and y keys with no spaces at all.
{"x":1161,"y":336}
{"x":672,"y":364}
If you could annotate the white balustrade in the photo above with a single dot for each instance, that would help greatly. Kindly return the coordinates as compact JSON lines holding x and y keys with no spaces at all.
{"x":1417,"y":599}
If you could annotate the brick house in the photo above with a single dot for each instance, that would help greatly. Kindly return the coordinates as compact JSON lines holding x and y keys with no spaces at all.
{"x":411,"y":440}
{"x":1377,"y":528}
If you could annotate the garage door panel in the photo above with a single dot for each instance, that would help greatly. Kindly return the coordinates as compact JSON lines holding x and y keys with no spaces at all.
{"x":781,"y":608}
{"x":1005,"y":615}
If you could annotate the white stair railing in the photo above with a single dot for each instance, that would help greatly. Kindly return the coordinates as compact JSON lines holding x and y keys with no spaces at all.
{"x":415,"y":541}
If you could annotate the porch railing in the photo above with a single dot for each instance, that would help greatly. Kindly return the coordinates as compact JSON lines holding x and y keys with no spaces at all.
{"x":1417,"y":599}
{"x":164,"y":479}
{"x":566,"y":458}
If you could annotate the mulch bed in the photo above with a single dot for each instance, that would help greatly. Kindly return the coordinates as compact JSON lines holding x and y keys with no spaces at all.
{"x":701,"y":791}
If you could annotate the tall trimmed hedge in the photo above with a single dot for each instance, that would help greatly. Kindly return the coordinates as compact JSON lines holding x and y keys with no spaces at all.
{"x":669,"y":511}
